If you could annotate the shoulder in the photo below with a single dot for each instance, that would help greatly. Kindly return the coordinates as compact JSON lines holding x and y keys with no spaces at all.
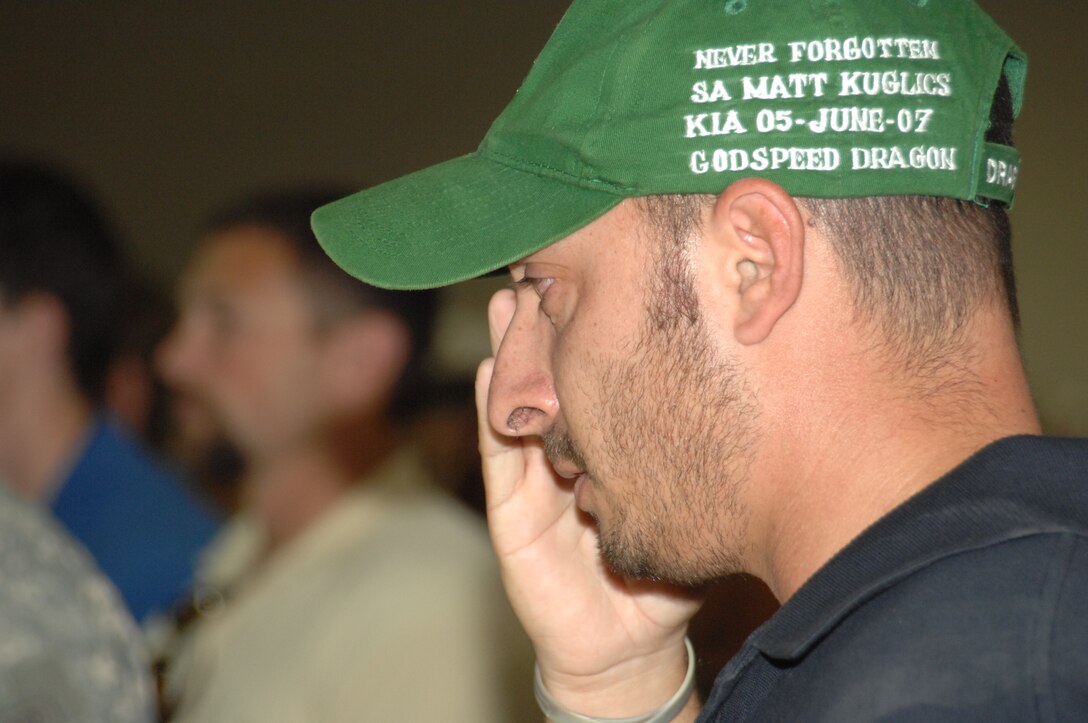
{"x":422,"y":541}
{"x":421,"y":524}
{"x":1063,"y":633}
{"x":994,"y":631}
{"x":65,"y":639}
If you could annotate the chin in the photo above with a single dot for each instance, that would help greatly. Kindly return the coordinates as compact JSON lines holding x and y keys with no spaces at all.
{"x":644,"y":557}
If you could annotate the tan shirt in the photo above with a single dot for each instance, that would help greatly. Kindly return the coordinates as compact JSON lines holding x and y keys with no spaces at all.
{"x":389,"y":608}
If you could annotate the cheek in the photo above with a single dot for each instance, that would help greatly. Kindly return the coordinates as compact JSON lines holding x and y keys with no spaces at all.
{"x":568,"y":369}
{"x":244,"y":379}
{"x":601,"y":334}
{"x":235,"y":366}
{"x":600,"y":338}
{"x":267,"y":403}
{"x":580,"y":371}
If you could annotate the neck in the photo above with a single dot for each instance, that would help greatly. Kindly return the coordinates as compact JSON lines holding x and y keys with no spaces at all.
{"x":856,"y":453}
{"x":291,"y":489}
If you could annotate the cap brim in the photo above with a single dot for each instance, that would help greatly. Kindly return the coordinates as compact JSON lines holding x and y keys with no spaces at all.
{"x":453,"y":221}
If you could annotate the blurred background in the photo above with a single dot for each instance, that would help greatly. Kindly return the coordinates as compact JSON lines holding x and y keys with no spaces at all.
{"x":168,"y":108}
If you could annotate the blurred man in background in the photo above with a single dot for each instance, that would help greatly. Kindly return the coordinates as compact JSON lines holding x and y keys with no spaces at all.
{"x":62,"y":299}
{"x":349,"y":588}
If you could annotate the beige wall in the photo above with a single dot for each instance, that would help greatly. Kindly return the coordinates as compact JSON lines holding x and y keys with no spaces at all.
{"x":171,"y":108}
{"x":1051,"y":215}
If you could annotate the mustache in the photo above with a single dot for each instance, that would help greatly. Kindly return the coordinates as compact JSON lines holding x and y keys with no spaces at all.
{"x":560,"y":447}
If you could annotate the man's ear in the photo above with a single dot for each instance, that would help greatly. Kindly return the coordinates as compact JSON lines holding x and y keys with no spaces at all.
{"x":757,"y":234}
{"x":365,"y":359}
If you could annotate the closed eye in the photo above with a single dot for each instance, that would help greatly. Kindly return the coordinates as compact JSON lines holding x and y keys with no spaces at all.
{"x":540,"y":285}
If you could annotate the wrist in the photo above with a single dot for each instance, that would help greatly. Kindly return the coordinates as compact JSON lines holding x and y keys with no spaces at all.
{"x":658,"y":693}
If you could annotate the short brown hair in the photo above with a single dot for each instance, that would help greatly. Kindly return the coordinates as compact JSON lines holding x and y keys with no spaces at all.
{"x":918,"y":266}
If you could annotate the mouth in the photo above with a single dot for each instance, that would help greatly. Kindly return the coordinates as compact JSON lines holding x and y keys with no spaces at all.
{"x":579,"y":496}
{"x":567,"y":461}
{"x":566,"y":469}
{"x":563,"y":454}
{"x":570,"y":472}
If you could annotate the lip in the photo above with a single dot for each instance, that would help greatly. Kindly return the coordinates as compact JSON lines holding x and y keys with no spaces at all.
{"x":566,"y":471}
{"x":579,"y":485}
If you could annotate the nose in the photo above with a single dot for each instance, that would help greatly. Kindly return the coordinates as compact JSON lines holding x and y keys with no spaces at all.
{"x":521,"y":400}
{"x":179,"y":357}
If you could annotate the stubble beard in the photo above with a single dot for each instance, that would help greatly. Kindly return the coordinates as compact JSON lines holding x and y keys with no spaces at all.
{"x":676,"y":422}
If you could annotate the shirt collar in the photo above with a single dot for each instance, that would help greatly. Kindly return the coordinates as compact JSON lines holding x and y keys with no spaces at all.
{"x":1014,"y":487}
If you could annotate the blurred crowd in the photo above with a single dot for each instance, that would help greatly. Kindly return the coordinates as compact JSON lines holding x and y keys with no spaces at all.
{"x":248,"y":498}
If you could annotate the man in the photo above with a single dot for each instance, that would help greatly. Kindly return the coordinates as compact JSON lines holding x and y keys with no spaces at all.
{"x":762,"y":320}
{"x":348,"y":588}
{"x":62,"y":294}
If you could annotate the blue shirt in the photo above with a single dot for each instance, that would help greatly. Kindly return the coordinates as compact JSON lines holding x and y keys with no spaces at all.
{"x":140,"y":523}
{"x":967,"y":603}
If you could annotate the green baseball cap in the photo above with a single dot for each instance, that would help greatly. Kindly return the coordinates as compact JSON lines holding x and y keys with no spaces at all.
{"x":827,"y":98}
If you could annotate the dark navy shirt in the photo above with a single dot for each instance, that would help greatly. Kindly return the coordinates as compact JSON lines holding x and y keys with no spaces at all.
{"x":143,"y":527}
{"x":967,"y":603}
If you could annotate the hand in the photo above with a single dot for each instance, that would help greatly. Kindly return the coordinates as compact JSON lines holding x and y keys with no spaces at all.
{"x":606,"y":646}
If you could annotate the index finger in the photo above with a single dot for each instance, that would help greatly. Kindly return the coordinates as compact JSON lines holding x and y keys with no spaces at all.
{"x":500,"y":311}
